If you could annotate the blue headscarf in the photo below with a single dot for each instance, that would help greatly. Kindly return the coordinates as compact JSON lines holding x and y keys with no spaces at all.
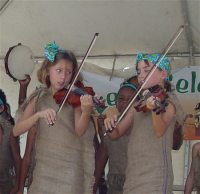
{"x":51,"y":50}
{"x":126,"y":84}
{"x":154,"y":58}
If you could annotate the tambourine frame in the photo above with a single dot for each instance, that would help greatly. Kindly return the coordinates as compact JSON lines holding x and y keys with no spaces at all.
{"x":6,"y":61}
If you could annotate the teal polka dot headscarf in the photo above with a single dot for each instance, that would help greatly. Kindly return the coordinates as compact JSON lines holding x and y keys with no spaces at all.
{"x":51,"y":50}
{"x":153,"y":58}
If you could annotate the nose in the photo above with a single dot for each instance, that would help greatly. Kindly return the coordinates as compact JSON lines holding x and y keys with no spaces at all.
{"x":62,"y":75}
{"x":142,"y":76}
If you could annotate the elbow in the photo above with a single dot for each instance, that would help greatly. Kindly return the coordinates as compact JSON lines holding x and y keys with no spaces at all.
{"x":79,"y":134}
{"x":160,"y":125}
{"x":160,"y":130}
{"x":176,"y":147}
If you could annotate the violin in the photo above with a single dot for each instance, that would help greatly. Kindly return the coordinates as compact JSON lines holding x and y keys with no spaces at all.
{"x":74,"y":96}
{"x":156,"y":91}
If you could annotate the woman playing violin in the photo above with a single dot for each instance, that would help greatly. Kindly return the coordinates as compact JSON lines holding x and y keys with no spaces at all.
{"x":63,"y":150}
{"x":149,"y":169}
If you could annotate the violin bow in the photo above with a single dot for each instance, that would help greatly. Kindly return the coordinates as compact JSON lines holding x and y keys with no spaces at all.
{"x":78,"y":72}
{"x":164,"y":53}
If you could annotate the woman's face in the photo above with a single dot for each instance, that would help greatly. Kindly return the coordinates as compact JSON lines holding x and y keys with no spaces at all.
{"x":60,"y":74}
{"x":157,"y":78}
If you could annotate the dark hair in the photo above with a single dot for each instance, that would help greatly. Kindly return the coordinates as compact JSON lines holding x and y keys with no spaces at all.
{"x":42,"y":74}
{"x":168,"y":86}
{"x":3,"y":97}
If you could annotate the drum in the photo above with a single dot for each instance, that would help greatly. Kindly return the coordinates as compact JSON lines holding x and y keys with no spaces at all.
{"x":19,"y":62}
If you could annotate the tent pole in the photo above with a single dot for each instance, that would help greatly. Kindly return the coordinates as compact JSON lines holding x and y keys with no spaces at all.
{"x":5,"y":5}
{"x":113,"y":67}
{"x":189,"y":34}
{"x":178,"y":55}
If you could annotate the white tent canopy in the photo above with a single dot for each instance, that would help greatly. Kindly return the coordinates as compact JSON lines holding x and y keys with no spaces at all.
{"x":125,"y":26}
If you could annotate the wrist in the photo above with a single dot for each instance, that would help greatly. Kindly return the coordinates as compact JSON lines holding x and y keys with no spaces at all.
{"x":24,"y":86}
{"x":86,"y":112}
{"x":37,"y":116}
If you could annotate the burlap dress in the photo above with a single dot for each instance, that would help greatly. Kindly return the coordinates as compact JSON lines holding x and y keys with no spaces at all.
{"x":64,"y":162}
{"x":117,"y":151}
{"x":6,"y":161}
{"x":149,"y":168}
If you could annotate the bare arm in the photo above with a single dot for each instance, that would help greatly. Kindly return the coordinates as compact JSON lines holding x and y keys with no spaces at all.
{"x":14,"y":142}
{"x":100,"y":163}
{"x":101,"y":158}
{"x":26,"y":159}
{"x":190,"y":179}
{"x":23,"y":89}
{"x":82,"y":115}
{"x":29,"y":118}
{"x":177,"y":136}
{"x":162,"y":120}
{"x":122,"y":127}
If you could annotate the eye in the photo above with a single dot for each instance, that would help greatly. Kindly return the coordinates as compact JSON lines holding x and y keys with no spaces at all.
{"x":119,"y":97}
{"x":147,"y":70}
{"x":68,"y":72}
{"x":122,"y":99}
{"x":58,"y":70}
